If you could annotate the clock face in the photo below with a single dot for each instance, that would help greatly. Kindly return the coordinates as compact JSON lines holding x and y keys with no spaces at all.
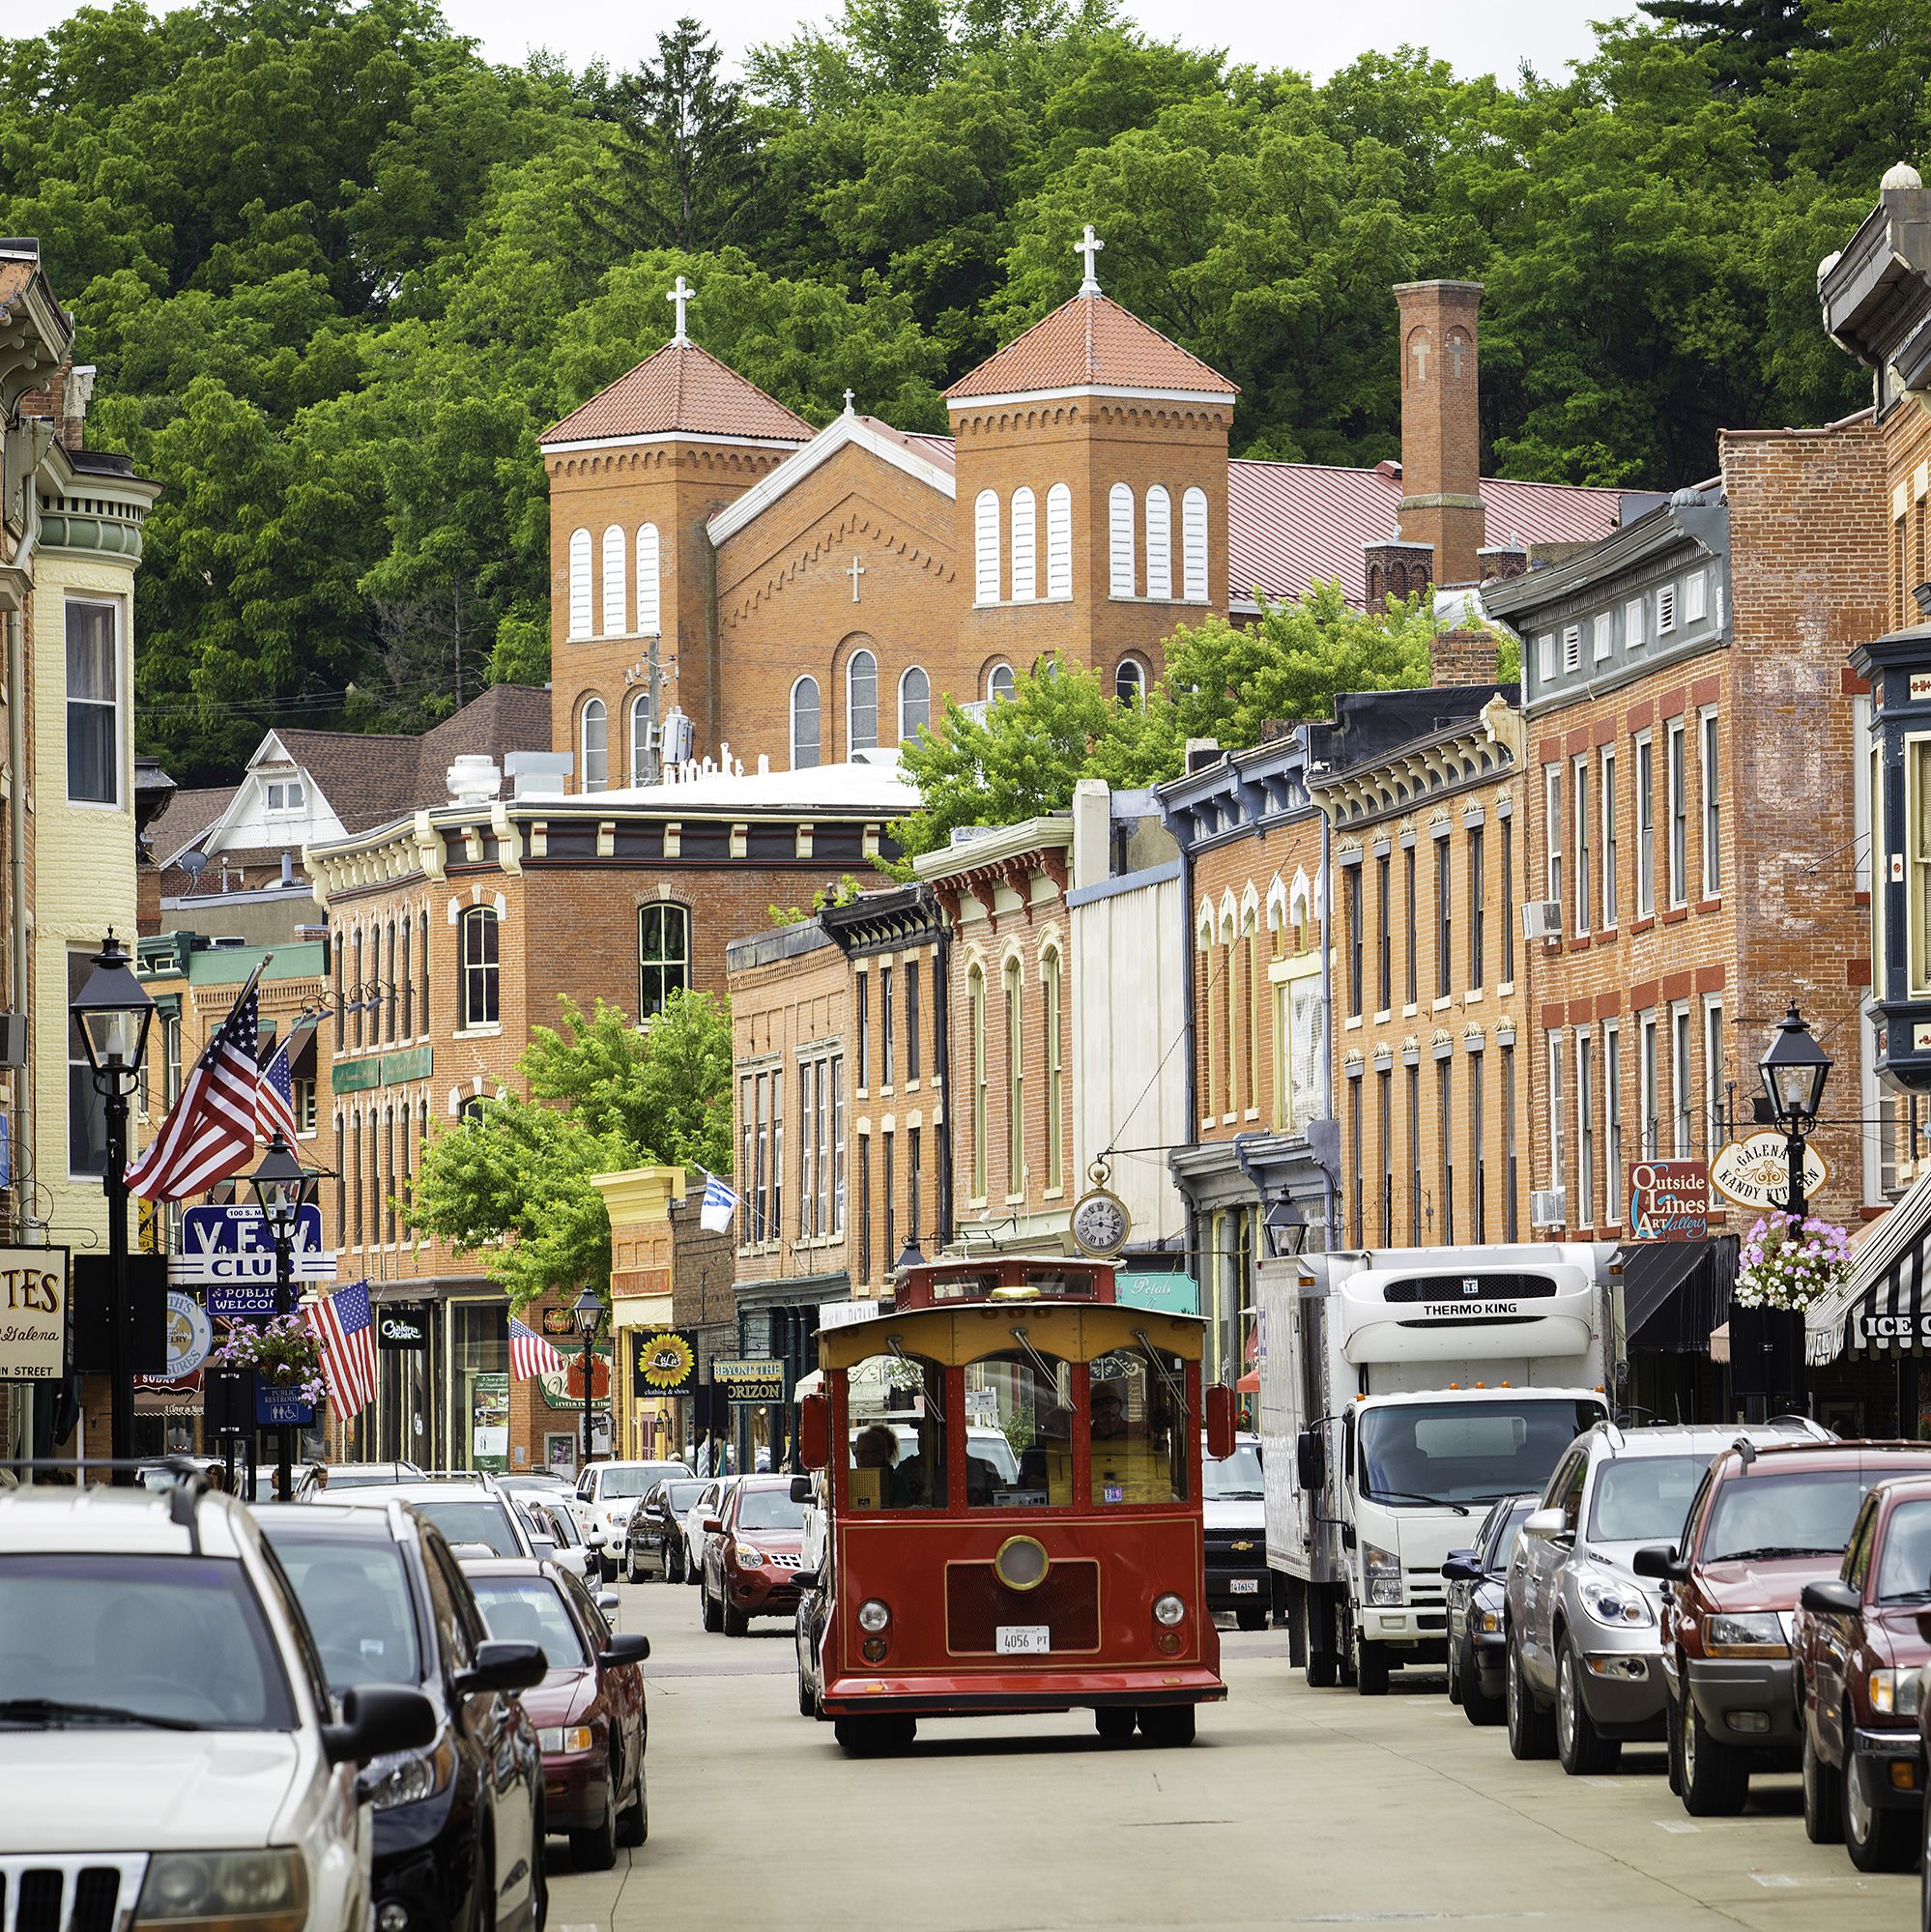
{"x":1100,"y":1223}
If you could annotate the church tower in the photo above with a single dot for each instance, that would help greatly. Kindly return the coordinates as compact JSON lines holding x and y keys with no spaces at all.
{"x":635,"y":474}
{"x":1092,"y":493}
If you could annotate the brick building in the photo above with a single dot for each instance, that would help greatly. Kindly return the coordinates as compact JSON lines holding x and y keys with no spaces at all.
{"x":511,"y":904}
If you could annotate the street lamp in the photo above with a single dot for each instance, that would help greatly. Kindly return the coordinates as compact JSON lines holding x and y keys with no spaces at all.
{"x":113,"y":1013}
{"x":586,"y":1313}
{"x":279,"y":1182}
{"x":1794,"y":1071}
{"x":1286,"y":1226}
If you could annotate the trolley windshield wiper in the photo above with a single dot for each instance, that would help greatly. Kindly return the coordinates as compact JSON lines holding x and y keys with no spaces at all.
{"x":1409,"y":1496}
{"x":55,"y":1712}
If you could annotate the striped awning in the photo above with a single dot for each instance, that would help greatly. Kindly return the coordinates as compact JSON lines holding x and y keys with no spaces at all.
{"x":1880,"y":1306}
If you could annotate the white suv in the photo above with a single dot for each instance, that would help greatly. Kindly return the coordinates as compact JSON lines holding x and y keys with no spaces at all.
{"x":168,"y":1746}
{"x":608,"y":1492}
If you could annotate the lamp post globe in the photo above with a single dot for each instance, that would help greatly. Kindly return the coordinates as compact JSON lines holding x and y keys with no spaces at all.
{"x":1795,"y":1071}
{"x":112,"y":1013}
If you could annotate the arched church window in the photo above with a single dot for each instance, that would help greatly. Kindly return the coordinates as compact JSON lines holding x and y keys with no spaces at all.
{"x":861,"y":701}
{"x":998,"y":683}
{"x":914,"y":704}
{"x":804,"y":724}
{"x":1159,"y":543}
{"x":580,"y":583}
{"x":640,"y":739}
{"x":1130,"y":682}
{"x":1059,"y":541}
{"x":1193,"y":546}
{"x":615,"y":600}
{"x":650,"y":620}
{"x":1026,"y":551}
{"x":985,"y":547}
{"x":596,"y":736}
{"x":1119,"y":550}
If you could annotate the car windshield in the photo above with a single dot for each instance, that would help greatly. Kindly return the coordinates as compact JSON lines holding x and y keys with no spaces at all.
{"x":1643,"y":1498}
{"x":632,"y":1481}
{"x":165,"y":1642}
{"x":355,"y":1592}
{"x":1466,"y":1453}
{"x":367,"y":1475}
{"x":1795,"y":1513}
{"x":530,"y":1609}
{"x":769,"y":1509}
{"x":1237,"y":1479}
{"x":681,"y":1495}
{"x":1904,"y":1557}
{"x":474,"y":1520}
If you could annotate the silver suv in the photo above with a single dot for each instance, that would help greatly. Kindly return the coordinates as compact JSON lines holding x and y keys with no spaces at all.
{"x":1584,"y":1659}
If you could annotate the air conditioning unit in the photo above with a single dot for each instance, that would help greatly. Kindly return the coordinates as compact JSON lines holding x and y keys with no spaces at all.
{"x":1548,"y":1207}
{"x":1541,"y":919}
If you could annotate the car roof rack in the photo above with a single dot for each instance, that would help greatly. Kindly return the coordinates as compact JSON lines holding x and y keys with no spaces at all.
{"x":190,"y":1485}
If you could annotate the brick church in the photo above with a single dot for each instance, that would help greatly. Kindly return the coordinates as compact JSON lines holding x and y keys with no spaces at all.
{"x":728,"y":578}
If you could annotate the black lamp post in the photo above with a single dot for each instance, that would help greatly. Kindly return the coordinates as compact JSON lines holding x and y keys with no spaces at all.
{"x":113,"y":1013}
{"x":1795,"y":1070}
{"x":1286,"y":1227}
{"x":586,"y":1313}
{"x":279,"y":1182}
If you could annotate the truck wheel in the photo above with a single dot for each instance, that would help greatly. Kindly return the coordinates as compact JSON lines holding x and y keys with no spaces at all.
{"x":1878,"y":1839}
{"x":1167,"y":1724}
{"x":1320,"y":1663}
{"x":1715,"y":1775}
{"x":1823,"y":1796}
{"x":1250,"y":1616}
{"x":1371,"y":1668}
{"x":1584,"y":1751}
{"x":1115,"y":1723}
{"x":1531,"y":1728}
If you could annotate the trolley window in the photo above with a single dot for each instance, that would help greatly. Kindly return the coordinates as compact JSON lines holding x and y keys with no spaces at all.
{"x":1138,"y":1405}
{"x":895,"y":1445}
{"x":1026,"y":1395}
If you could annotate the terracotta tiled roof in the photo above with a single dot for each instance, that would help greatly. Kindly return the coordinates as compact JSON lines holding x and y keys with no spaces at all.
{"x":1091,"y":342}
{"x":1290,"y":524}
{"x":682,"y":388}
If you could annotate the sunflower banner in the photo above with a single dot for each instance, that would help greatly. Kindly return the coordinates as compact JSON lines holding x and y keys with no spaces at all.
{"x":665,"y":1365}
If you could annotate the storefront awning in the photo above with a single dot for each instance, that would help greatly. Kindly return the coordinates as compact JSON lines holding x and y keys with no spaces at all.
{"x":1675,"y":1293}
{"x":1877,"y":1308}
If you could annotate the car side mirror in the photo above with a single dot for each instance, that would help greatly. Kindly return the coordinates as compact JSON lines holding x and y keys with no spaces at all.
{"x":711,"y":1526}
{"x":608,"y":1601}
{"x":803,"y":1490}
{"x":1310,"y":1459}
{"x":627,"y":1647}
{"x":1658,"y":1559}
{"x":596,"y":1539}
{"x":1220,"y":1420}
{"x":1831,"y":1597}
{"x":378,"y":1718}
{"x":1461,"y":1565}
{"x":503,"y":1663}
{"x":807,"y":1579}
{"x":1545,"y":1525}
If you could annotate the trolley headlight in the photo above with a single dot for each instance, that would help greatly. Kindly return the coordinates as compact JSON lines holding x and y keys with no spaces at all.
{"x":249,"y":1891}
{"x":873,"y":1615}
{"x":1383,"y":1570}
{"x":1168,"y":1609}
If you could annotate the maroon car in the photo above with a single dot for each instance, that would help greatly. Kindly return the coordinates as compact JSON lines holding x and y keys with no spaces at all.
{"x":589,"y":1709}
{"x":751,"y":1558}
{"x":1859,"y":1646}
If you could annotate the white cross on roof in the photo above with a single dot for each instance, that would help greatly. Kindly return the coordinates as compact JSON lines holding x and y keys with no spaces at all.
{"x":681,"y":294}
{"x":1088,"y":244}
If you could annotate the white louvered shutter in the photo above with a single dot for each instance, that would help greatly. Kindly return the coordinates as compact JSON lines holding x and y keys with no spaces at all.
{"x":613,"y":600}
{"x":1119,"y":511}
{"x":580,"y":583}
{"x":1059,"y":541}
{"x":1025,"y":548}
{"x":649,"y":599}
{"x":1159,"y":542}
{"x":985,"y":547}
{"x":1193,"y":546}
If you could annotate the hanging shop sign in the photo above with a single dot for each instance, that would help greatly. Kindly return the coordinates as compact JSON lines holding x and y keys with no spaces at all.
{"x":190,"y":1335}
{"x":230,"y":1251}
{"x":403,"y":1325}
{"x":664,"y":1365}
{"x":1669,"y":1201}
{"x":34,"y":1314}
{"x":761,"y":1379}
{"x":1754,"y":1173}
{"x":563,"y":1389}
{"x":558,"y":1321}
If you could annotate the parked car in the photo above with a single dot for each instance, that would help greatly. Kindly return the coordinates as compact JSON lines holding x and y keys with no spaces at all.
{"x":581,"y":1556}
{"x":547,"y":1487}
{"x":589,"y":1709}
{"x":751,"y":1564}
{"x":470,"y":1513}
{"x":362,"y":1475}
{"x":1477,"y":1586}
{"x":1764,"y":1521}
{"x":1238,"y":1578}
{"x":710,"y":1503}
{"x":657,"y":1540}
{"x":165,"y":1726}
{"x":1862,"y":1646}
{"x":1584,"y":1660}
{"x":609,"y":1492}
{"x":459,"y":1823}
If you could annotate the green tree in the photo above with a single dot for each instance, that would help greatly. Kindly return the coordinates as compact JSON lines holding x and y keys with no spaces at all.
{"x":512,"y":1184}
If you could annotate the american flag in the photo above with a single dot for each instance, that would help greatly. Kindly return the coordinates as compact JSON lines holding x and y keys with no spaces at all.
{"x":344,"y":1324}
{"x":274,"y":1098}
{"x":530,"y":1355}
{"x":210,"y":1131}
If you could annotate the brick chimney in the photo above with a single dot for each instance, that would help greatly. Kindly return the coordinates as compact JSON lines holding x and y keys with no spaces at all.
{"x":1394,"y":568}
{"x":1441,"y":468}
{"x":77,"y":392}
{"x":1461,"y":657}
{"x":1501,"y":560}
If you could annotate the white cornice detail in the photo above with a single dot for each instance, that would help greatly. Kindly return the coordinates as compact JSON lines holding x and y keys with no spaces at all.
{"x":673,"y":436}
{"x":1224,"y":398}
{"x":826,"y":443}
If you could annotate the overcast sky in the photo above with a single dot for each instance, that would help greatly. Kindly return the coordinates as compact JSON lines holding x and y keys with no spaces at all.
{"x":1479,"y":36}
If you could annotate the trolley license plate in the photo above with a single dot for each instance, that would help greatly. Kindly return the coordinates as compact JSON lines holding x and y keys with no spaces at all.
{"x":1245,"y":1586}
{"x":1022,"y":1640}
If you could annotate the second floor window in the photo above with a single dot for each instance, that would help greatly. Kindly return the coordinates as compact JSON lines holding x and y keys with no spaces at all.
{"x":480,"y":967}
{"x":663,"y":956}
{"x":93,"y":704}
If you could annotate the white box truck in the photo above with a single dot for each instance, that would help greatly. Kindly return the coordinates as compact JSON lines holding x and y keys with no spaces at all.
{"x":1401,"y":1391}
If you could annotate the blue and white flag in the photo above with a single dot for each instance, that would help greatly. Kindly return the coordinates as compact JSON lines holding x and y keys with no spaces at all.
{"x":719,"y":1205}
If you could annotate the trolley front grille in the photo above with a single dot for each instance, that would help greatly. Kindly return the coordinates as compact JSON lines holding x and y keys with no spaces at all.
{"x":977,"y":1605}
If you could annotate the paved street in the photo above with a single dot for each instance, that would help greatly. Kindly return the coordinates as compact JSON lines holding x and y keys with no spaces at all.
{"x":1294,"y":1809}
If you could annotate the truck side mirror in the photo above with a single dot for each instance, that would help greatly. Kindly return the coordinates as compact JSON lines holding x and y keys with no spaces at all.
{"x":814,"y":1431}
{"x":1221,"y":1428}
{"x":1310,"y":1459}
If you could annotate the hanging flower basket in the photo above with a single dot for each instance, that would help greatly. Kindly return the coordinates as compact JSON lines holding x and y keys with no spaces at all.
{"x":1788,"y":1263}
{"x":283,"y":1353}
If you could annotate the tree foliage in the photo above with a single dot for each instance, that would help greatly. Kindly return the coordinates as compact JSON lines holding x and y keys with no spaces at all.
{"x":512,"y":1184}
{"x":338,"y":272}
